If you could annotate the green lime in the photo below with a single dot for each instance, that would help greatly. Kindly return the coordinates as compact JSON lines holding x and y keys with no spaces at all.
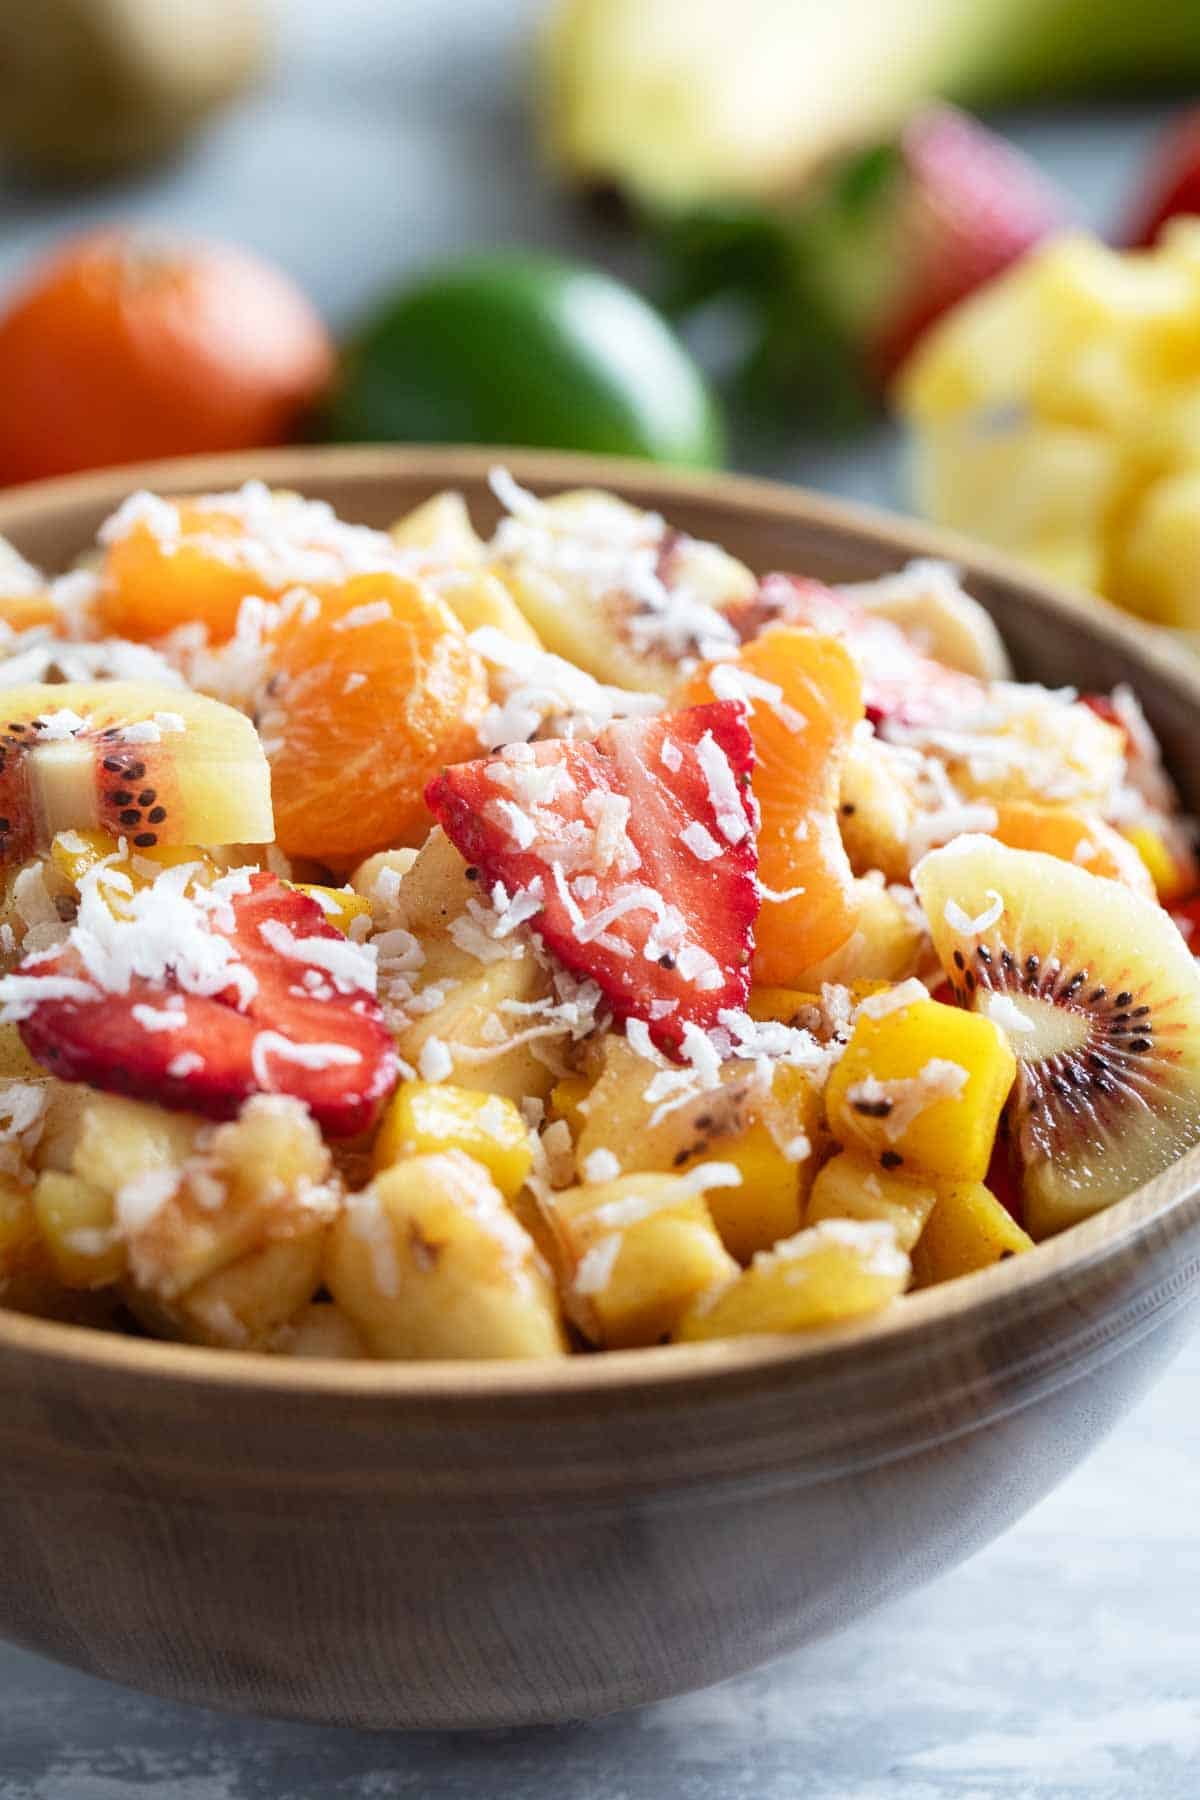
{"x":518,"y":349}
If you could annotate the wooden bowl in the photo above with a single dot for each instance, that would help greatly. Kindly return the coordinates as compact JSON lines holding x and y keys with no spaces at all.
{"x":497,"y":1544}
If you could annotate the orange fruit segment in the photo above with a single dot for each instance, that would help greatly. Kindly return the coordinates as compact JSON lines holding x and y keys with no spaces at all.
{"x":1075,"y":837}
{"x":183,"y":565}
{"x":805,"y":695}
{"x":21,"y":612}
{"x":374,"y":690}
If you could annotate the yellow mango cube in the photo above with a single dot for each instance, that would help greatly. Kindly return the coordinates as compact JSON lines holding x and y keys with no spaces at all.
{"x":968,"y":1229}
{"x":848,"y":1186}
{"x":921,"y":1088}
{"x":75,"y":1219}
{"x":341,"y":906}
{"x":836,"y":1270}
{"x":635,"y":1253}
{"x":428,"y":1262}
{"x":425,"y":1118}
{"x":75,"y":853}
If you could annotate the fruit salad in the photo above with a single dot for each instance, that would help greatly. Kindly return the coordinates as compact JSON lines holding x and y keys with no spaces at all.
{"x":415,"y":945}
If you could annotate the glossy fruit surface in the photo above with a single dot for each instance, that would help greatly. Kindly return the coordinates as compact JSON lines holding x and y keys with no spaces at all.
{"x":123,"y":349}
{"x":518,"y":349}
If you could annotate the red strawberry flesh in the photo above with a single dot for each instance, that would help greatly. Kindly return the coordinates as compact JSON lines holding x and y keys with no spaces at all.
{"x":641,"y":847}
{"x":306,"y":1029}
{"x":1173,"y":184}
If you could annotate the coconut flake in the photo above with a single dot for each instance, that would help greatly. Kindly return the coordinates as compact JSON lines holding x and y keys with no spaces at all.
{"x":965,"y":925}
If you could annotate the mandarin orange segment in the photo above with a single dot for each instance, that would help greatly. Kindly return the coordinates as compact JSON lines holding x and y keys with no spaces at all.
{"x":805,"y":695}
{"x":21,"y":612}
{"x":170,"y":572}
{"x":375,"y":690}
{"x":1074,"y":837}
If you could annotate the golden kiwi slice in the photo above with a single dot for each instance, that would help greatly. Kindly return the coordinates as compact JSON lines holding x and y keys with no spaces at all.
{"x":1099,"y":996}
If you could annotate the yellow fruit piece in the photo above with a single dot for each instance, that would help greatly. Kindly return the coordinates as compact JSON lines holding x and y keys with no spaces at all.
{"x":378,"y":878}
{"x":790,"y":1006}
{"x":441,"y":525}
{"x":321,"y":1330}
{"x":242,"y":1306}
{"x":76,"y":853}
{"x":849,"y":1186}
{"x":568,"y":1099}
{"x":840,"y":1269}
{"x":428,"y":1262}
{"x":341,"y":906}
{"x":424,"y":1118}
{"x":75,"y":1219}
{"x":876,"y":809}
{"x":921,"y":1087}
{"x":768,"y":1133}
{"x":968,"y":1229}
{"x":20,"y":1241}
{"x":1157,"y":567}
{"x":635,"y":1253}
{"x":1081,"y":838}
{"x":1170,"y":880}
{"x":482,"y":601}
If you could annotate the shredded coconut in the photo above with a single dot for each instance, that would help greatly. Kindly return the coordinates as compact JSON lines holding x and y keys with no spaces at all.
{"x":965,"y":925}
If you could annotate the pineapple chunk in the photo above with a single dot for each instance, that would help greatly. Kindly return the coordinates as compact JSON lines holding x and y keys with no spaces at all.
{"x":837,"y":1270}
{"x":922,"y":1087}
{"x":321,"y":1330}
{"x":341,"y":906}
{"x":848,"y":1186}
{"x":635,"y":1253}
{"x":185,"y":1213}
{"x":876,"y":809}
{"x":243,"y":1305}
{"x":77,"y":1226}
{"x":441,"y":524}
{"x":467,"y":1004}
{"x":483,"y":601}
{"x":113,"y":1141}
{"x":428,"y":1262}
{"x":424,"y":1118}
{"x":767,"y":1133}
{"x":1157,"y":567}
{"x":968,"y":1229}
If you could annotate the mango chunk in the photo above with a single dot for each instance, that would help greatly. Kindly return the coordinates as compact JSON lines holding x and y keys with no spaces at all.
{"x":921,"y":1088}
{"x":425,"y":1118}
{"x":849,"y":1186}
{"x":967,"y":1230}
{"x":636,"y":1252}
{"x":839,"y":1269}
{"x":341,"y":906}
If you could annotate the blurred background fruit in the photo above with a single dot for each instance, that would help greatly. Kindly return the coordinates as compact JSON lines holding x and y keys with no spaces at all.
{"x":126,"y":346}
{"x":522,"y":349}
{"x":90,"y":86}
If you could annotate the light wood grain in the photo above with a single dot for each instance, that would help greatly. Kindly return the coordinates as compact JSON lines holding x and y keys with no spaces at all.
{"x":490,"y":1544}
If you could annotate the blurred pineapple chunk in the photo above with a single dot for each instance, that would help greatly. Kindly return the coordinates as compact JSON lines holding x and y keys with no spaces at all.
{"x":968,"y":1229}
{"x":635,"y":1253}
{"x":428,"y":1262}
{"x":850,"y":1186}
{"x":840,"y":1269}
{"x":77,"y":1226}
{"x":1056,"y":414}
{"x":442,"y":525}
{"x":423,"y":1118}
{"x":766,"y":1131}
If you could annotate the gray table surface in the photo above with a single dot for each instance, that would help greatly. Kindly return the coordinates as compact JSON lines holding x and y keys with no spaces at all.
{"x":1062,"y":1662}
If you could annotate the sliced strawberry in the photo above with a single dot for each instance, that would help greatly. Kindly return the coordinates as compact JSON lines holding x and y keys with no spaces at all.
{"x":294,"y":1018}
{"x":898,"y":682}
{"x":640,"y":847}
{"x":1172,"y":185}
{"x":1186,"y":914}
{"x":969,"y":205}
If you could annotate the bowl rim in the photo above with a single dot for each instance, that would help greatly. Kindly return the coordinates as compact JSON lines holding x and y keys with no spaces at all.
{"x":986,"y":1296}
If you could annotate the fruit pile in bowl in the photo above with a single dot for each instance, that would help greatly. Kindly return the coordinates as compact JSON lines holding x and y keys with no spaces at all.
{"x":417,"y":946}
